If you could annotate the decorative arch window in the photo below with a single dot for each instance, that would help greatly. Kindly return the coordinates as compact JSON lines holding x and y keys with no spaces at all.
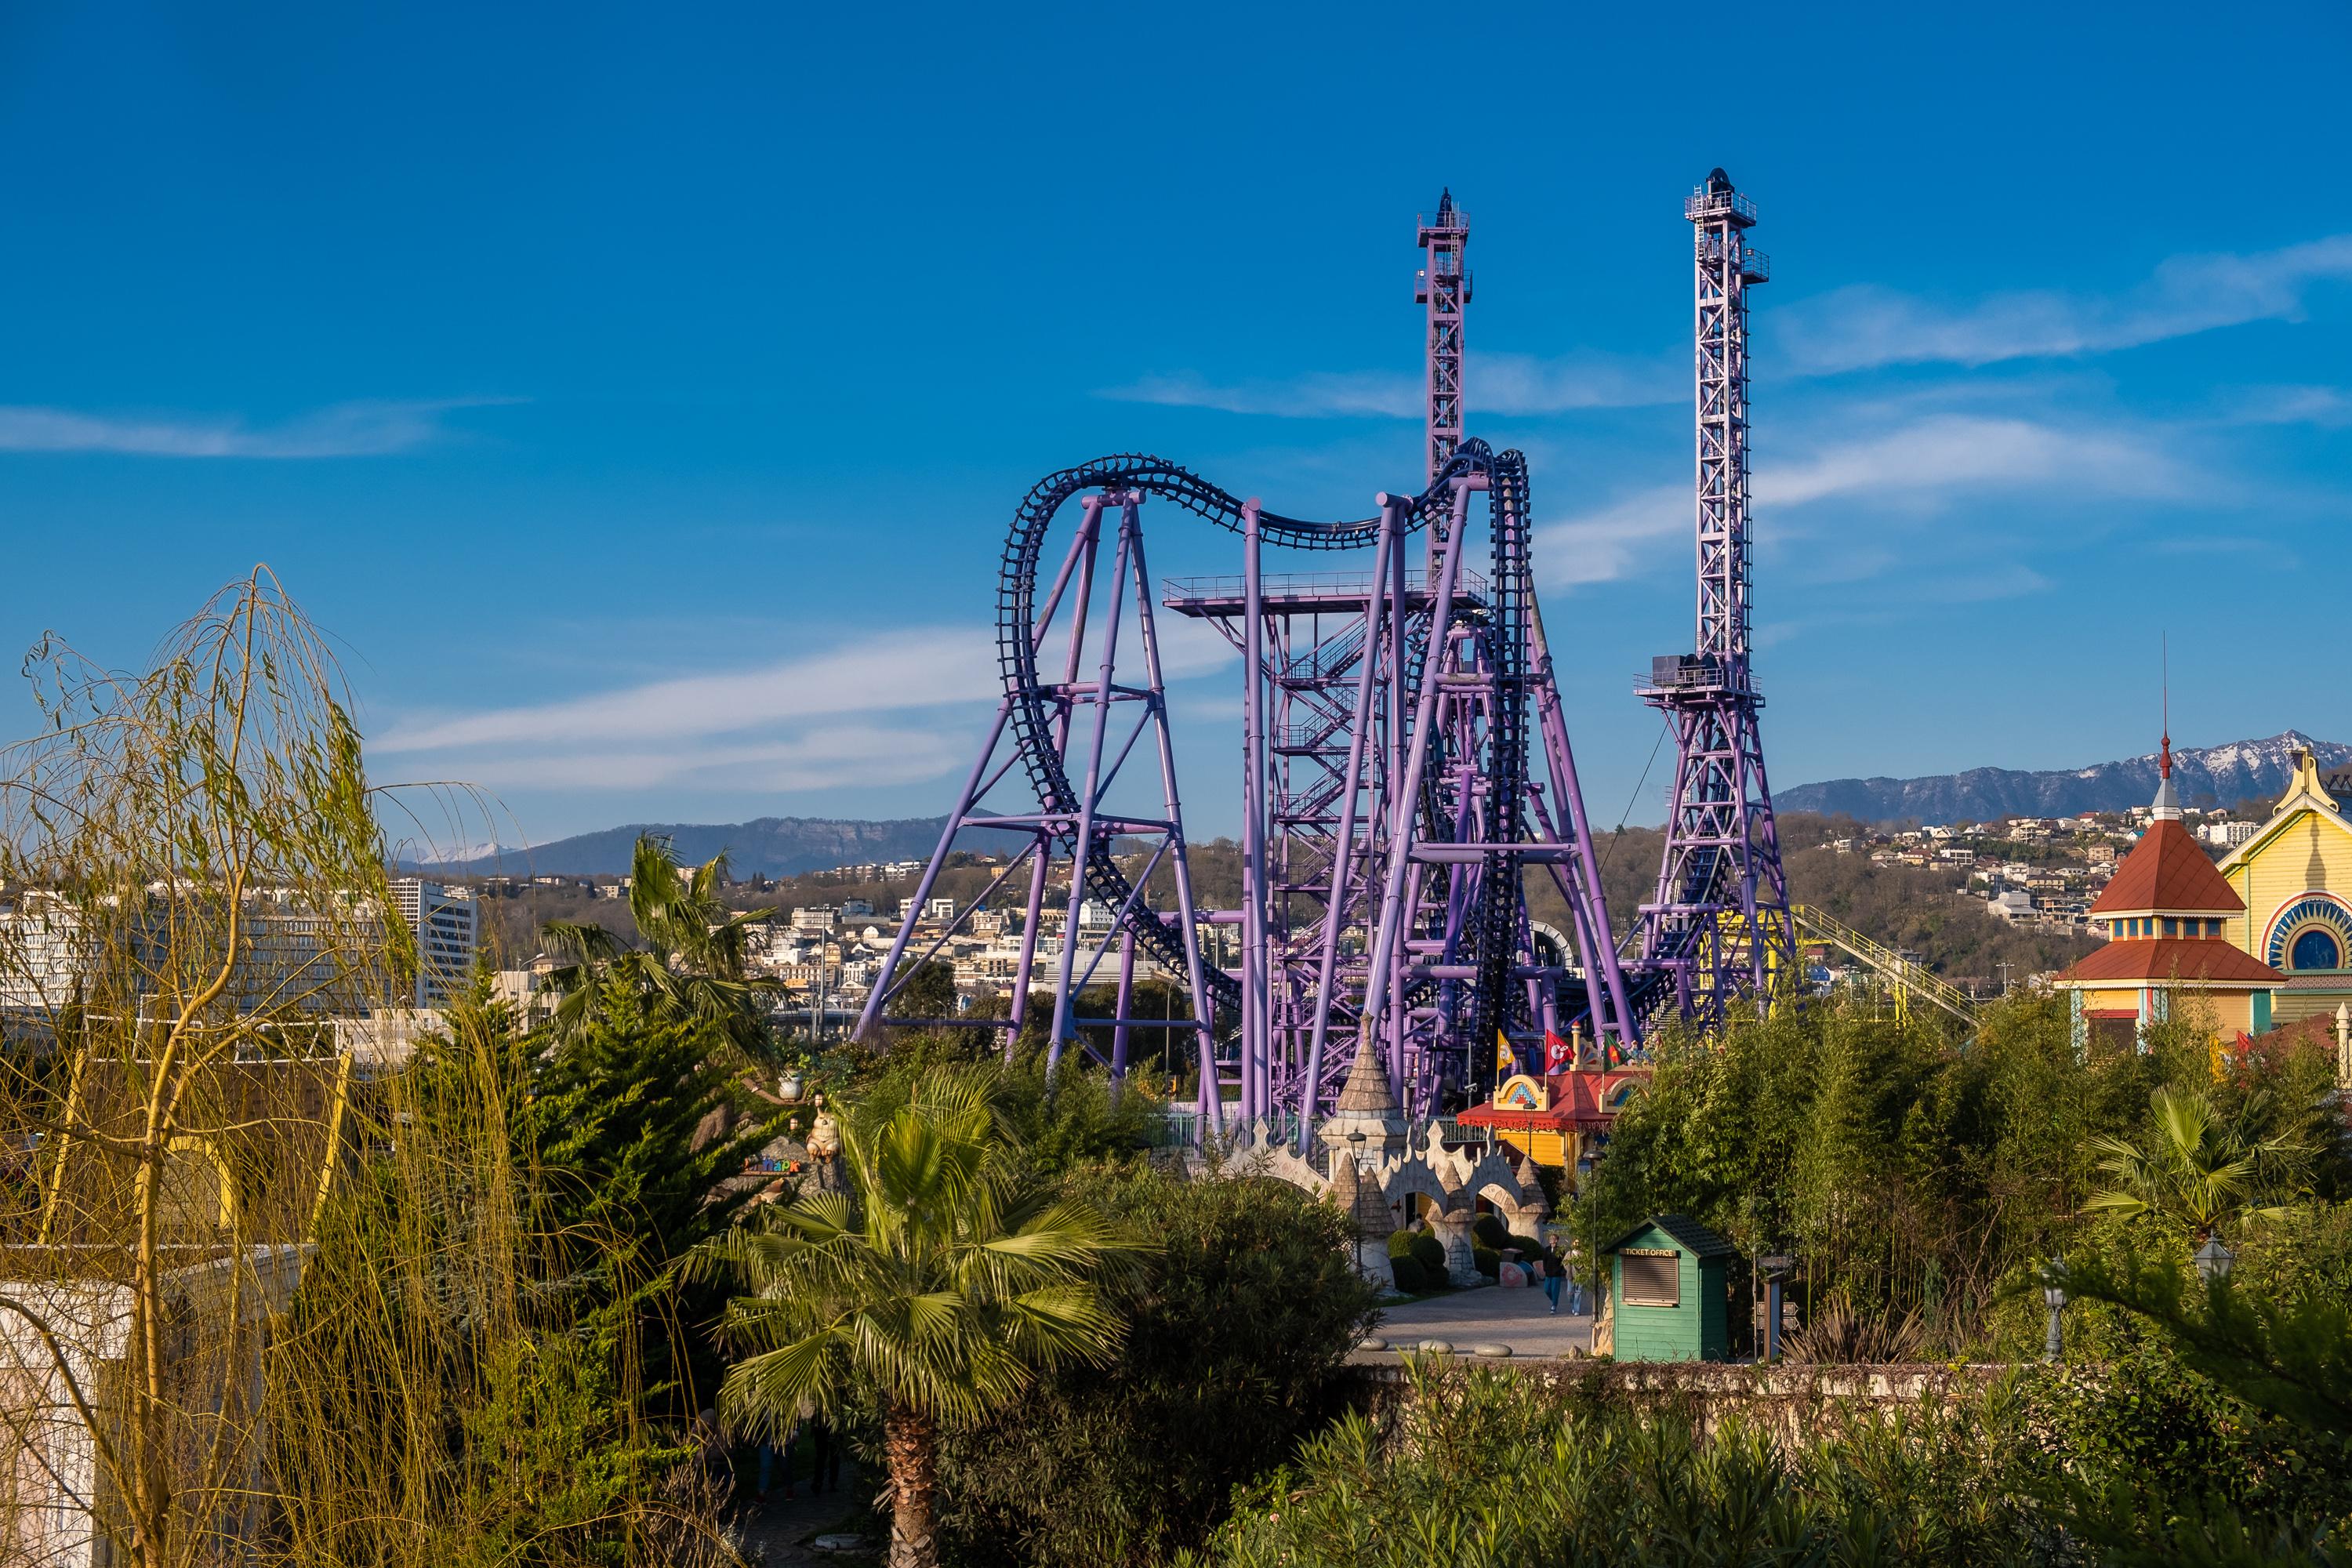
{"x":2315,"y":933}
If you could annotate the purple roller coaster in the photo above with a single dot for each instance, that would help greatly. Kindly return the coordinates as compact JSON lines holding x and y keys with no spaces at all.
{"x":1405,"y":763}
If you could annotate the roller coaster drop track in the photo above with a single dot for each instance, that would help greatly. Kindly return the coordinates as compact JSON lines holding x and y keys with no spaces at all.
{"x":1387,"y":798}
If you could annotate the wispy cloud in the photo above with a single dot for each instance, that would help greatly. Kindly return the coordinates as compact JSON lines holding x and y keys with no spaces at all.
{"x":882,"y":710}
{"x":915,"y":669}
{"x":364,"y":429}
{"x":2329,"y":408}
{"x":822,"y":757}
{"x":1956,"y":450}
{"x":1322,"y":395}
{"x":1499,"y":384}
{"x":1866,"y":326}
{"x":1916,"y":464}
{"x":1614,"y":541}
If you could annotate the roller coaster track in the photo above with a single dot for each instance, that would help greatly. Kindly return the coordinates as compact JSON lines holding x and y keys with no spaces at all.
{"x":1034,"y":703}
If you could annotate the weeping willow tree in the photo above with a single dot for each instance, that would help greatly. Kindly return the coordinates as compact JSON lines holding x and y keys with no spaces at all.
{"x":201,"y":975}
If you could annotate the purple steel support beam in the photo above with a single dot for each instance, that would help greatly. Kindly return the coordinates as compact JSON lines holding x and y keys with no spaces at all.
{"x":1211,"y":1101}
{"x":1385,"y":987}
{"x":1125,"y":1011}
{"x":875,"y":997}
{"x":1255,"y":1021}
{"x":1092,"y":796}
{"x":1343,"y":853}
{"x":1591,"y":904}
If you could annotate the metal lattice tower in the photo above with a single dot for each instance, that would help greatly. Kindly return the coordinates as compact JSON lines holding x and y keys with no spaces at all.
{"x":1719,"y":924}
{"x":1443,"y":286}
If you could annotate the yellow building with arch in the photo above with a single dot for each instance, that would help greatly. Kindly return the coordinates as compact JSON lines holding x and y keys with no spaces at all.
{"x":2295,"y":879}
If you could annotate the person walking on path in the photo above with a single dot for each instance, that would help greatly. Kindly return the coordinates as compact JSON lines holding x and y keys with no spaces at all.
{"x":1552,"y":1276}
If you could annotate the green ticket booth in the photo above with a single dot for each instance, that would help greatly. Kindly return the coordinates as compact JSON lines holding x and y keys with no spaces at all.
{"x":1671,"y":1281}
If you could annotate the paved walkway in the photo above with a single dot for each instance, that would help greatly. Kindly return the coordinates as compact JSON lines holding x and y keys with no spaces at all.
{"x":1488,"y":1315}
{"x":782,"y":1532}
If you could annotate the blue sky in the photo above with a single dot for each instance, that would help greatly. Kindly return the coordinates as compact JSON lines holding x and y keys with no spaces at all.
{"x":639,"y":395}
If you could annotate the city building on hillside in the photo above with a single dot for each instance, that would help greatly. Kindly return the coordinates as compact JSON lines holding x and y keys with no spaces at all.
{"x":814,"y":918}
{"x":2228,"y":834}
{"x":447,"y":931}
{"x":2165,"y":914}
{"x":2293,"y":877}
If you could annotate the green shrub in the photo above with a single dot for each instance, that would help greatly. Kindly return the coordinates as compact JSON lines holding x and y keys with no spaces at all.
{"x":1487,"y":1261}
{"x":1429,"y":1253}
{"x":1410,"y":1277}
{"x":1401,"y":1243}
{"x":1240,"y":1325}
{"x":1491,"y":1232}
{"x":1482,"y":1469}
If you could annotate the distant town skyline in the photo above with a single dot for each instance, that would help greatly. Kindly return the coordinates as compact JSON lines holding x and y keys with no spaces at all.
{"x":641,"y":402}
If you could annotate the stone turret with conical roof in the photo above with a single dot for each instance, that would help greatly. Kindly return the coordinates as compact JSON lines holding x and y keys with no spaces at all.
{"x":1367,"y":1106}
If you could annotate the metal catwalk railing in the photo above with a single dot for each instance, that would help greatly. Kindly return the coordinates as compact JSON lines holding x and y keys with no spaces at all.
{"x":1906,"y":977}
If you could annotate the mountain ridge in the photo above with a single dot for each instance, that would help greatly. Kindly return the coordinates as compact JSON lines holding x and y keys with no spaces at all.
{"x":2229,"y":772}
{"x":789,"y":845}
{"x":763,"y":846}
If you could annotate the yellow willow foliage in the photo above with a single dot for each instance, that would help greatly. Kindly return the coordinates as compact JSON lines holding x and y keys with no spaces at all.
{"x":255,"y":1288}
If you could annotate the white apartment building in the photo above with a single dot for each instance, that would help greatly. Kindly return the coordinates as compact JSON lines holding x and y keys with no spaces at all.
{"x":448,"y":930}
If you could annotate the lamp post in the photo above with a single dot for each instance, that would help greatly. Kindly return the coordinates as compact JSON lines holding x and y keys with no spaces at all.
{"x":2212,"y":1260}
{"x":2054,"y":1295}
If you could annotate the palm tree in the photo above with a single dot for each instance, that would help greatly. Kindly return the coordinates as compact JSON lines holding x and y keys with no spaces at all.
{"x":935,"y":1288}
{"x":692,"y":965}
{"x":2197,"y":1171}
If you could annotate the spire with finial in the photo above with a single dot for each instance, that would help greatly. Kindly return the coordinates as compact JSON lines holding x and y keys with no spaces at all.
{"x":1367,"y":1106}
{"x":2167,"y":801}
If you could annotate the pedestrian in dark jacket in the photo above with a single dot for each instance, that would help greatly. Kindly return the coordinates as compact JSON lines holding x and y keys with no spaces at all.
{"x":1552,"y":1276}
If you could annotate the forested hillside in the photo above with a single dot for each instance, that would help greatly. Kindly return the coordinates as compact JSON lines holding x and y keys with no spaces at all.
{"x":1910,"y":907}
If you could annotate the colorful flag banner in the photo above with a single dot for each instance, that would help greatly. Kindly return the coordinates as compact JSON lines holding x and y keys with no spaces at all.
{"x":1558,"y":1053}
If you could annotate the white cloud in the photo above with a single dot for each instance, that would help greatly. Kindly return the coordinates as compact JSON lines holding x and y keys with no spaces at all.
{"x":822,"y":721}
{"x":915,"y":669}
{"x":1956,"y":450}
{"x":1616,"y":540}
{"x":342,"y":430}
{"x":1324,"y":394}
{"x":1866,"y":326}
{"x":824,"y":757}
{"x":1494,"y":383}
{"x":2330,"y":407}
{"x":1916,"y":464}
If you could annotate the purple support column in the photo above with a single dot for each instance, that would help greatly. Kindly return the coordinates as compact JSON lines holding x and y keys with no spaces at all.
{"x":1336,"y":909}
{"x":1090,"y":799}
{"x":1203,"y":1010}
{"x":1600,"y":958}
{"x":1029,"y":921}
{"x":1387,"y":962}
{"x":1255,"y":989}
{"x":1125,"y":1009}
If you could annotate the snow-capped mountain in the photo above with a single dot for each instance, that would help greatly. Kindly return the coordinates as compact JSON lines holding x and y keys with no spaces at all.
{"x":2223,"y":774}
